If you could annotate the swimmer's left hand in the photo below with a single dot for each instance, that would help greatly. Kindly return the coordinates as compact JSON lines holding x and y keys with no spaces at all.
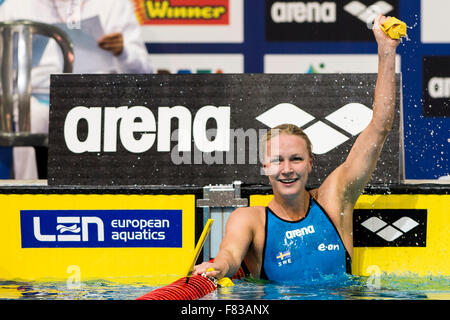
{"x":112,"y":42}
{"x":223,"y":282}
{"x":383,"y":40}
{"x":207,"y":268}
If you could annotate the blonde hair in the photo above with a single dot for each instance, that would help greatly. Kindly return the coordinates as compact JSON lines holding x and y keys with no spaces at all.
{"x":289,"y":129}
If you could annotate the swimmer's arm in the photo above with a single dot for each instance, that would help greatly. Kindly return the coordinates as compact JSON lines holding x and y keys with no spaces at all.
{"x":234,"y":246}
{"x":342,"y":188}
{"x":355,"y":172}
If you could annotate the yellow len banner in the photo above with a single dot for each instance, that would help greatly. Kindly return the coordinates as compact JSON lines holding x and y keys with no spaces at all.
{"x":115,"y":237}
{"x":398,"y":233}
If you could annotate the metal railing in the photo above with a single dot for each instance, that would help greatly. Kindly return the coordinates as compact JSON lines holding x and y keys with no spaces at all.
{"x":218,"y":202}
{"x":15,"y":83}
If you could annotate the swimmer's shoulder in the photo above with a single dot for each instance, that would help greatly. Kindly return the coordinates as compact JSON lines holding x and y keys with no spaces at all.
{"x":251,"y":215}
{"x":314,"y":193}
{"x":254,"y":210}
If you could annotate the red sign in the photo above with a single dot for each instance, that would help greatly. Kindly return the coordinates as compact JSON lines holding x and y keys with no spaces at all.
{"x":176,"y":12}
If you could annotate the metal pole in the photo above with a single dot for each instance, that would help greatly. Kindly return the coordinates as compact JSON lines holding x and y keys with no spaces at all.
{"x":218,"y":203}
{"x":24,"y":56}
{"x":6,"y":93}
{"x":24,"y":30}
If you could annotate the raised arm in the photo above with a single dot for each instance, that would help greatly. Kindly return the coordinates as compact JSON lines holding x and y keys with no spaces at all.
{"x":341,"y":189}
{"x":351,"y":177}
{"x":238,"y":237}
{"x":365,"y":153}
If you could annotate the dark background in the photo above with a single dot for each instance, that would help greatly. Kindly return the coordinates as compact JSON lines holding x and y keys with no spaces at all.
{"x":248,"y":95}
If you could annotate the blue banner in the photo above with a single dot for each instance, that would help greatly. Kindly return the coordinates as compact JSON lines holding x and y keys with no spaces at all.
{"x":101,"y":228}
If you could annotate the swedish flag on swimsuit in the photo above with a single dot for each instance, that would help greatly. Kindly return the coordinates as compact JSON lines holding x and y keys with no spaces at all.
{"x":304,"y":249}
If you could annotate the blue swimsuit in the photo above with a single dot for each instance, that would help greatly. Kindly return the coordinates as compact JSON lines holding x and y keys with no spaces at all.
{"x":303,"y":250}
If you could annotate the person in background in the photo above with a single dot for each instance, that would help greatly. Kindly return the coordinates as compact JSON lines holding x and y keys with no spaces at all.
{"x":106,"y":37}
{"x":303,"y":235}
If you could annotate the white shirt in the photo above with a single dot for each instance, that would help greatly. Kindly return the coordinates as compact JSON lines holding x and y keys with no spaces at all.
{"x":114,"y":16}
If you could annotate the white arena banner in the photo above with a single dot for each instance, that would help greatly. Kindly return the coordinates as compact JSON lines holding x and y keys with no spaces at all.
{"x":197,"y":63}
{"x":435,"y":24}
{"x":191,"y":21}
{"x":323,"y":63}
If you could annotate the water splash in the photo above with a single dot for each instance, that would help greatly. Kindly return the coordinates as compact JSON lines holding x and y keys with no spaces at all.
{"x":343,"y":287}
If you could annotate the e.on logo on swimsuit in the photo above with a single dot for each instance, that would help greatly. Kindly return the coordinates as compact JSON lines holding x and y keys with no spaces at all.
{"x":176,"y":12}
{"x":328,"y":247}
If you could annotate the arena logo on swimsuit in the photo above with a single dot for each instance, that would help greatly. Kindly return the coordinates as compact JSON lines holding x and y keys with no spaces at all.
{"x":300,"y":232}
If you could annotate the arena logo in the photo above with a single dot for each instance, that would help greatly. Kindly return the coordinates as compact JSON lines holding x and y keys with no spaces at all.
{"x":126,"y":119}
{"x":324,"y":20}
{"x":301,"y":12}
{"x":326,"y":134}
{"x":137,"y":131}
{"x":390,"y":227}
{"x":439,"y":87}
{"x":176,"y":12}
{"x":389,"y":232}
{"x":201,"y":129}
{"x":436,"y":86}
{"x":315,"y":12}
{"x":291,"y":234}
{"x":367,"y":14}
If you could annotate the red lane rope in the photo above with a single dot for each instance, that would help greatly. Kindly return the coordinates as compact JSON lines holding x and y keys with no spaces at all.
{"x":196,"y":288}
{"x":239,"y":274}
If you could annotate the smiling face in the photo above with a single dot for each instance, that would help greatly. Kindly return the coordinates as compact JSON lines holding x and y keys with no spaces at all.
{"x":287,"y":163}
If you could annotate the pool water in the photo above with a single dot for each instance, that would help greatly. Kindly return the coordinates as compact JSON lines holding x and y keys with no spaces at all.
{"x":393,"y":287}
{"x":351,"y":288}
